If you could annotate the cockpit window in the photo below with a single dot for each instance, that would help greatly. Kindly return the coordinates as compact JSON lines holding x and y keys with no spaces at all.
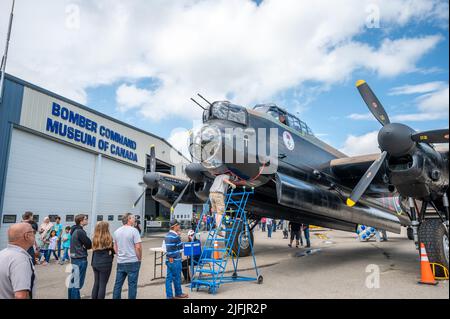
{"x":285,"y":118}
{"x":261,"y":108}
{"x":274,"y":113}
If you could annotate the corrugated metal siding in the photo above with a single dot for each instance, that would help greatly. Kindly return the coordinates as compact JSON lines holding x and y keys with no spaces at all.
{"x":46,"y":178}
{"x":10,"y":110}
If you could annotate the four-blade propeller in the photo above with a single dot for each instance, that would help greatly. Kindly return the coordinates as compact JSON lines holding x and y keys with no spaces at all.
{"x":394,"y":140}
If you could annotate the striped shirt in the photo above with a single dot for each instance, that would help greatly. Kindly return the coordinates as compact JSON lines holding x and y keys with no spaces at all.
{"x":174,"y":246}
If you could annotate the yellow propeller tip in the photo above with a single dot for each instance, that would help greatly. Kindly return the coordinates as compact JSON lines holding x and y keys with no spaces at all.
{"x":360,"y":82}
{"x":350,"y":202}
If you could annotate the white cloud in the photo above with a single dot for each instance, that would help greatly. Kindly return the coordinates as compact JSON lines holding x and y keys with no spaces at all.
{"x":218,"y":47}
{"x":358,"y":117}
{"x":129,"y":97}
{"x":179,"y":139}
{"x":418,"y":88}
{"x":361,"y":145}
{"x":436,"y":102}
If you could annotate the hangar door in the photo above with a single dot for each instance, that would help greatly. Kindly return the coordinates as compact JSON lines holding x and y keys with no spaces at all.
{"x":47,"y":178}
{"x":118,"y":189}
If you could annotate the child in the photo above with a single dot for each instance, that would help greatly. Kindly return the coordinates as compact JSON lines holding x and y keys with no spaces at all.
{"x":41,"y":249}
{"x":65,"y":245}
{"x":52,"y":244}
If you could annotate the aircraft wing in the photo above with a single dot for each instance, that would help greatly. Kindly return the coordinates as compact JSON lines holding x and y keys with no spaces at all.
{"x":349,"y":170}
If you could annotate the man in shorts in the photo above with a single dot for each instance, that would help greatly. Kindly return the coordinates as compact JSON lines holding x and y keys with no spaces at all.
{"x":217,"y":195}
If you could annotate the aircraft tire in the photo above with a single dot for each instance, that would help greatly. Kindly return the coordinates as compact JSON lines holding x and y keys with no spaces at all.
{"x":434,"y":234}
{"x":243,"y":240}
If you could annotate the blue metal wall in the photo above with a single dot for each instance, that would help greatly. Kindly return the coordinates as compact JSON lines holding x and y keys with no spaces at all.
{"x":10,"y":110}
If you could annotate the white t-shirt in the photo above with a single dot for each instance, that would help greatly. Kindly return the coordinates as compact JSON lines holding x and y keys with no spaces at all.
{"x":126,"y":237}
{"x":53,"y":242}
{"x":219,"y":186}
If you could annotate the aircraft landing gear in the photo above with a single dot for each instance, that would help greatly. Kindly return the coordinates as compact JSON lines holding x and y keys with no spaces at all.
{"x":434,"y":234}
{"x":410,"y":233}
{"x":243,"y":238}
{"x":414,"y":222}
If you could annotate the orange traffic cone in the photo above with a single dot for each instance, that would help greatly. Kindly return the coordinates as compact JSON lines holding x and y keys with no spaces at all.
{"x":216,"y":253}
{"x":425,"y":268}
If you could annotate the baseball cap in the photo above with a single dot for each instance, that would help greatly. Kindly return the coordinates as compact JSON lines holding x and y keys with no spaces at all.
{"x":173,"y":223}
{"x":191,"y":233}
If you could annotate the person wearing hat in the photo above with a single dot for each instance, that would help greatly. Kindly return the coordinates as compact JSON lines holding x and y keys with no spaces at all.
{"x":174,"y":249}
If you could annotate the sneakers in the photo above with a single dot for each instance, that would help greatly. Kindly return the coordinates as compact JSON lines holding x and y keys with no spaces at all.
{"x":290,"y":245}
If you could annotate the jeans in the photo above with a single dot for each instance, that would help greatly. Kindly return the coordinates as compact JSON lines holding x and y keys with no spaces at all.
{"x":42,"y":253}
{"x":66,"y":254}
{"x":132,"y":271}
{"x":101,"y":277}
{"x":49,"y":253}
{"x":263,"y":227}
{"x":58,"y":248}
{"x":173,"y":276}
{"x":269,"y":231}
{"x":306,"y":232}
{"x":79,"y":267}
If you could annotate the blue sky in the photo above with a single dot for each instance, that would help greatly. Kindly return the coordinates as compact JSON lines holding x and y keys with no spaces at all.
{"x":325,"y":112}
{"x":147,"y":58}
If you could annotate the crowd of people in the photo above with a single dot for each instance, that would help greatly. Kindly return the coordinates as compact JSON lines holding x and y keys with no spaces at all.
{"x":30,"y":245}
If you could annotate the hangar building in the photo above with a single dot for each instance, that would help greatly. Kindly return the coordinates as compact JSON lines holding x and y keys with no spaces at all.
{"x":58,"y":157}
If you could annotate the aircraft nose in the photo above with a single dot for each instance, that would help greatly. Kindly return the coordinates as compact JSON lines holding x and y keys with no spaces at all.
{"x":206,"y":146}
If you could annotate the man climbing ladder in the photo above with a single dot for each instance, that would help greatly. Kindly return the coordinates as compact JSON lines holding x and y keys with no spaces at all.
{"x":217,"y":194}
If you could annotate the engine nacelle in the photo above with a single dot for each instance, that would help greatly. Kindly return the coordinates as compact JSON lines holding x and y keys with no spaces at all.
{"x":422,"y":175}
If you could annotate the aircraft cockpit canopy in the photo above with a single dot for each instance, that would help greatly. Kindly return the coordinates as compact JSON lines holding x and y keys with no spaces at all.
{"x":226,"y":111}
{"x":285,"y":118}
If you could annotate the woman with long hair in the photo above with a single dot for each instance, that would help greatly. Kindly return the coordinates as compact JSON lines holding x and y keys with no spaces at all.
{"x":102,"y":259}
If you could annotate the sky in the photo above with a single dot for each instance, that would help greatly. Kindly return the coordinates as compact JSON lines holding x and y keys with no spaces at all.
{"x":141,"y":61}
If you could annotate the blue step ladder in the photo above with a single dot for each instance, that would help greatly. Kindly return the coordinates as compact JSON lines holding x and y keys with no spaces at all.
{"x":209,"y":272}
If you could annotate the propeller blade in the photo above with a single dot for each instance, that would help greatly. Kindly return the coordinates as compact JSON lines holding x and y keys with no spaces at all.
{"x":152,"y":159}
{"x":137,"y":201}
{"x":435,"y":136}
{"x":175,"y":203}
{"x":372,"y":102}
{"x":365,"y":181}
